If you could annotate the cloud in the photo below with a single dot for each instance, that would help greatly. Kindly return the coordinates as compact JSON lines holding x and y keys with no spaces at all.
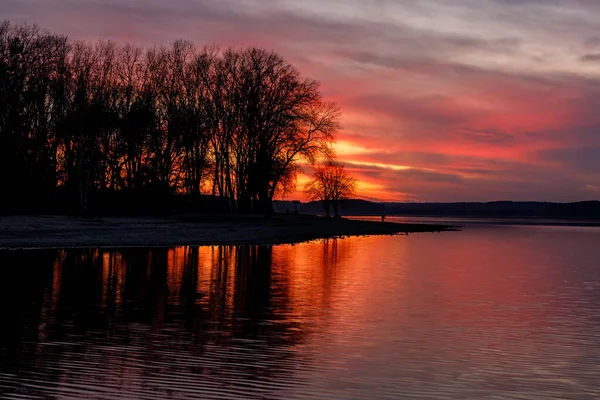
{"x":482,"y":99}
{"x":486,"y":137}
{"x":577,"y":159}
{"x":592,"y":188}
{"x":590,"y":57}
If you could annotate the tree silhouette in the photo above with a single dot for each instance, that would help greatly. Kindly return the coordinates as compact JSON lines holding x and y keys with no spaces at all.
{"x":331,"y":183}
{"x":81,"y":123}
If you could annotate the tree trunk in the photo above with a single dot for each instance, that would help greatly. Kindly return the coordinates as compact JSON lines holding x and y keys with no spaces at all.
{"x":326,"y":206}
{"x":336,"y":214}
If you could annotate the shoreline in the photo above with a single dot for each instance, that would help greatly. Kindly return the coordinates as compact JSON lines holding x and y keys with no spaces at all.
{"x":56,"y":232}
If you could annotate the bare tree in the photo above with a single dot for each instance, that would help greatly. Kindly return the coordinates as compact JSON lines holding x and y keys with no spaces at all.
{"x":331,"y":183}
{"x":79,"y":121}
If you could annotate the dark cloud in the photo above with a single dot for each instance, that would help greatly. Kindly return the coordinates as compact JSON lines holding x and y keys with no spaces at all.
{"x":486,"y":137}
{"x":591,"y":58}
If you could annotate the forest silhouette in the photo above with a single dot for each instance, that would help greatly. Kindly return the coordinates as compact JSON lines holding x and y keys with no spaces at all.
{"x":108,"y":128}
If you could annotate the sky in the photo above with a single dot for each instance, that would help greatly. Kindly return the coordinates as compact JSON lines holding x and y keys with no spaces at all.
{"x":442,"y":100}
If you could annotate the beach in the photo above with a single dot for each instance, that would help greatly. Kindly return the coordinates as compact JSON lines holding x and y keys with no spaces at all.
{"x":187,"y":230}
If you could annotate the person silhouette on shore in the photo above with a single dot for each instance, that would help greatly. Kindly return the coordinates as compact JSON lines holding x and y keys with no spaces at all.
{"x":383,"y":217}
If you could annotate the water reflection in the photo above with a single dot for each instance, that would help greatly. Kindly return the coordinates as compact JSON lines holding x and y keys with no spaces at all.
{"x":490,"y":312}
{"x":143,"y":321}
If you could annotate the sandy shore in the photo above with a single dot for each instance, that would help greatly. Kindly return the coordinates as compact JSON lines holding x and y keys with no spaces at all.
{"x":62,"y":231}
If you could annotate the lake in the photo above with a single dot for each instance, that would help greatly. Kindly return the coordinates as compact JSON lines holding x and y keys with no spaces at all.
{"x":491,"y":312}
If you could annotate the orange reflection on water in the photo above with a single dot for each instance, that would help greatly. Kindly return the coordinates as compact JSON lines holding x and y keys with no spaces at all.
{"x":492,"y":311}
{"x":113,"y":278}
{"x":430,"y":284}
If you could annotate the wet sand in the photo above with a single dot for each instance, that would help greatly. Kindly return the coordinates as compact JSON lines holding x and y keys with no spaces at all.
{"x":197,"y":230}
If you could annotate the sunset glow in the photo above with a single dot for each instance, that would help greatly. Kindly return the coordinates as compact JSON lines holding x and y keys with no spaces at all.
{"x":442,"y":101}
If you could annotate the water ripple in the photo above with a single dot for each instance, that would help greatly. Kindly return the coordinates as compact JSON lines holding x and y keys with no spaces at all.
{"x":511,"y":313}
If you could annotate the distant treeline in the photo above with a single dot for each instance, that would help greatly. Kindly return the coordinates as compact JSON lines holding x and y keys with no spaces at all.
{"x":91,"y":126}
{"x":586,"y":209}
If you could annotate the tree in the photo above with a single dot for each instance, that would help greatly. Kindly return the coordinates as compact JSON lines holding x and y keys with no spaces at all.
{"x":83,"y":122}
{"x":331,"y":183}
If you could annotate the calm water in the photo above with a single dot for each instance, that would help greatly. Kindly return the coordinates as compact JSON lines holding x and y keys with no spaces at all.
{"x":492,"y":312}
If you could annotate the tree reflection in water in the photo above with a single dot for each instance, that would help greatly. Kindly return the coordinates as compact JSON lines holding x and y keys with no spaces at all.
{"x":122,"y":318}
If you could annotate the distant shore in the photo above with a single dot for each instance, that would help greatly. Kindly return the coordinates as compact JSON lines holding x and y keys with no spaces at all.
{"x":191,"y":230}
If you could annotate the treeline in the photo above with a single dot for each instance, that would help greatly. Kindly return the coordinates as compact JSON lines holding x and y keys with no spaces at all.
{"x":81,"y":123}
{"x":500,"y":209}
